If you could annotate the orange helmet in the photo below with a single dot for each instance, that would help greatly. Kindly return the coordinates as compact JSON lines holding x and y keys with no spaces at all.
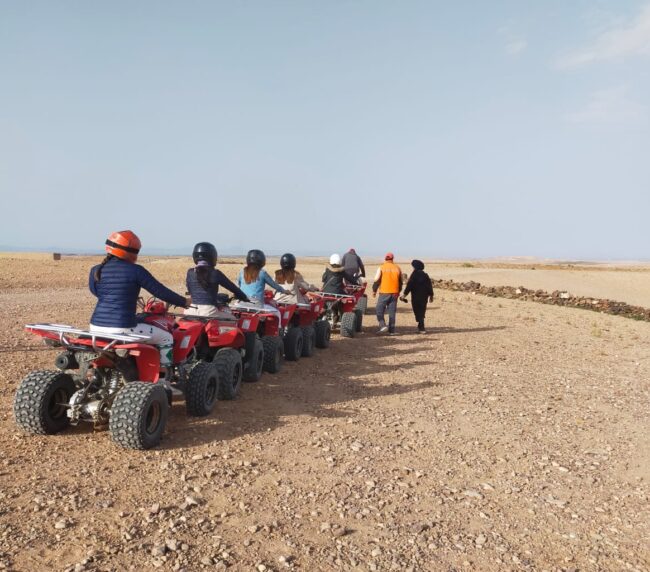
{"x":124,"y":244}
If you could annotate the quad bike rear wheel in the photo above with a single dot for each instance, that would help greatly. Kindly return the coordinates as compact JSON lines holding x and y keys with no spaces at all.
{"x":40,"y":405}
{"x":202,"y":389}
{"x":139,"y":415}
{"x":359,"y":319}
{"x":228,"y":363}
{"x":348,"y":324}
{"x":273,"y":347}
{"x":323,"y":333}
{"x":362,"y":304}
{"x":309,"y":341}
{"x":293,"y":344}
{"x":254,"y":366}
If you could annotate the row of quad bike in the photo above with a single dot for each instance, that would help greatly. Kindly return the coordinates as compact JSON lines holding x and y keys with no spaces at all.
{"x":117,"y":381}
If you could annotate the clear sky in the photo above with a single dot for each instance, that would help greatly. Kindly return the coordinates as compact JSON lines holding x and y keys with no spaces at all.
{"x":447,"y":129}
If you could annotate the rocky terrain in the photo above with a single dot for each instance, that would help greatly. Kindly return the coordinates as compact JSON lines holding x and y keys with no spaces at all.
{"x":513,"y":436}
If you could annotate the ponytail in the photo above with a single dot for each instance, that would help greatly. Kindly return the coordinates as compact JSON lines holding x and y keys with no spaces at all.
{"x":98,"y":271}
{"x":202,"y":274}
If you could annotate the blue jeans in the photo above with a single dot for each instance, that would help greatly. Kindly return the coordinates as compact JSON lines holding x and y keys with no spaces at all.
{"x":384,"y":302}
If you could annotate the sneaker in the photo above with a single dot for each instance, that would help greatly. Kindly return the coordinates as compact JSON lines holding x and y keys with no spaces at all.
{"x":383,"y":329}
{"x":392,"y":333}
{"x":422,"y":331}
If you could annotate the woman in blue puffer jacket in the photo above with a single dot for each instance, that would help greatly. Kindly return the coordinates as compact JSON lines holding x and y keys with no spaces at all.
{"x":117,"y":282}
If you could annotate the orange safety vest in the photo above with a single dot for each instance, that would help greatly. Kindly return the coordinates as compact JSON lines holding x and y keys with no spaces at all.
{"x":390,"y":278}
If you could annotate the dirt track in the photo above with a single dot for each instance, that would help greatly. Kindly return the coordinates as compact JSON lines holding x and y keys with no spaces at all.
{"x":512,"y":436}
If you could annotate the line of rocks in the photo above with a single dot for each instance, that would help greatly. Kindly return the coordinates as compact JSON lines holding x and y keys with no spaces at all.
{"x":557,"y":298}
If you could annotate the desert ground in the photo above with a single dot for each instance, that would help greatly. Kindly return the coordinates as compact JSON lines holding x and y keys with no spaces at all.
{"x":512,"y":436}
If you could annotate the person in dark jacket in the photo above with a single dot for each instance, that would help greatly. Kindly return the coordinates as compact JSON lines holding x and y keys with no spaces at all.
{"x":116,"y":283}
{"x":336,"y":277}
{"x":420,"y":287}
{"x":353,"y":264}
{"x":203,"y":282}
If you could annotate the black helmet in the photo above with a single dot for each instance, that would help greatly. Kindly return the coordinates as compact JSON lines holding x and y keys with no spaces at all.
{"x":288,"y":261}
{"x":205,"y":251}
{"x":256,"y":257}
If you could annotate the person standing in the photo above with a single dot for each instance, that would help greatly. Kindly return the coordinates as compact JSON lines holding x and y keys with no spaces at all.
{"x":353,"y":264}
{"x":388,"y":282}
{"x":420,"y":287}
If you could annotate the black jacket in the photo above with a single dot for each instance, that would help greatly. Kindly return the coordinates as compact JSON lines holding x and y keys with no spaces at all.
{"x":334,"y":279}
{"x":419,"y":285}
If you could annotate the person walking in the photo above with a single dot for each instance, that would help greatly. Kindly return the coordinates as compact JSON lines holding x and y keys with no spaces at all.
{"x":353,"y":264}
{"x":388,"y":282}
{"x":420,"y":287}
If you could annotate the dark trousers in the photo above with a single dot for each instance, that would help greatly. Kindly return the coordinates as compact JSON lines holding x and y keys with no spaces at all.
{"x":387,"y":302}
{"x":419,"y":306}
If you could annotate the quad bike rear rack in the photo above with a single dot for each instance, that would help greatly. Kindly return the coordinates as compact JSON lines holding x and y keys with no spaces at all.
{"x":107,"y":341}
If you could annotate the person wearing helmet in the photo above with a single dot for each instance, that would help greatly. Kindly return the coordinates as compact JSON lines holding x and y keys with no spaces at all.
{"x":335,"y":277}
{"x":116,"y":283}
{"x":203,"y":282}
{"x":253,"y":278}
{"x":388,"y":282}
{"x":290,"y":278}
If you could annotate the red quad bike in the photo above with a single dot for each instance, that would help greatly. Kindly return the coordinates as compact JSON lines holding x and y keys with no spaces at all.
{"x":262,"y":328}
{"x":298,"y":328}
{"x":343,"y":309}
{"x":115,"y":379}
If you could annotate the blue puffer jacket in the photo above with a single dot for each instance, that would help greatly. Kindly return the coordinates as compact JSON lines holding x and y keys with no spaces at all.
{"x":117,"y":293}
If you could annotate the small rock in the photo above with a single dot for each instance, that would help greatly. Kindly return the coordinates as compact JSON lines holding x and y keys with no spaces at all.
{"x":158,"y":550}
{"x":61,"y":524}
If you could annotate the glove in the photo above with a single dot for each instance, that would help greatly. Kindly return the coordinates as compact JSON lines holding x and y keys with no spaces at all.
{"x":404,"y":299}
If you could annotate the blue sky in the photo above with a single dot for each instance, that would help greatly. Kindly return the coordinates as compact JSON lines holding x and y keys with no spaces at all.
{"x":448,"y":129}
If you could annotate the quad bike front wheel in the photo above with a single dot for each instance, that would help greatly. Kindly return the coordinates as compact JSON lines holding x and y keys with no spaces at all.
{"x":254,"y":366}
{"x":273,"y":351}
{"x":309,"y":341}
{"x":348,"y":324}
{"x":323,"y":333}
{"x":40,"y":404}
{"x":139,"y":415}
{"x":228,"y":363}
{"x":293,"y":344}
{"x":202,"y":389}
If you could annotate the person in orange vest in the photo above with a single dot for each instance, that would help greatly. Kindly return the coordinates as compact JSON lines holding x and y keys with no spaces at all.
{"x":388,"y":282}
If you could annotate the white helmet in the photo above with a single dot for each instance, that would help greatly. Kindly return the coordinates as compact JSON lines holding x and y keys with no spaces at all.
{"x":335,"y":259}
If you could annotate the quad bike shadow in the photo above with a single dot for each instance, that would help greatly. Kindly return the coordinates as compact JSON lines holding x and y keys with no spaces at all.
{"x":327,"y":389}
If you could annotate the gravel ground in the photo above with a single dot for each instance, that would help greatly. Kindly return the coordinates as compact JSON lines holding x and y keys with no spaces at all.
{"x":512,"y":436}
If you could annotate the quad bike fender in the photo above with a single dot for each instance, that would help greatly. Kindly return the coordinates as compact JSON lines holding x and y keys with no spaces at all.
{"x":147,"y":360}
{"x":224,"y":336}
{"x":287,"y":312}
{"x":185,"y":337}
{"x":248,"y":323}
{"x":271,"y":326}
